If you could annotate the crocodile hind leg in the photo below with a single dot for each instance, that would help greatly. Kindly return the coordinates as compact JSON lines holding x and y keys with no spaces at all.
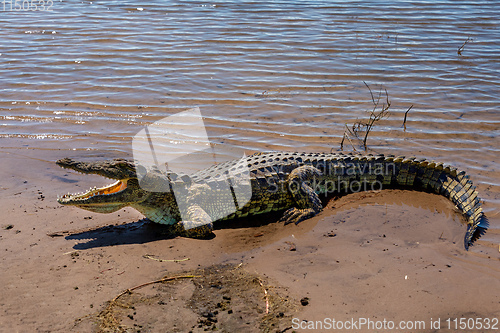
{"x":307,"y":202}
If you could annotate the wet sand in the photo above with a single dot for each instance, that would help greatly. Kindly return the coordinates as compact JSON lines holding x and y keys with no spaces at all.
{"x":391,"y":254}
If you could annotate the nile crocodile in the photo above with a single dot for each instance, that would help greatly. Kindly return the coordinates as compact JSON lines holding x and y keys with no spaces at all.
{"x":279,"y":181}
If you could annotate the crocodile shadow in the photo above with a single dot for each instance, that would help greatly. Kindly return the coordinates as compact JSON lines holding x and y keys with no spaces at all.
{"x":138,"y":232}
{"x":145,"y":231}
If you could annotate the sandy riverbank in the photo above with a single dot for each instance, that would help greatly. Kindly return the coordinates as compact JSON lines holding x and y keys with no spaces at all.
{"x":394,"y":255}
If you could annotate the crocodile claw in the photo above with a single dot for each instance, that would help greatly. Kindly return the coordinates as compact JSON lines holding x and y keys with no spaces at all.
{"x":296,"y":215}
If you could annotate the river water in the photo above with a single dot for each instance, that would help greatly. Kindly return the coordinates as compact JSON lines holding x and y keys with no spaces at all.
{"x":83,"y":78}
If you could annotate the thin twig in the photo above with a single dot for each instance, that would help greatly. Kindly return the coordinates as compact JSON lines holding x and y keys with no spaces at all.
{"x":461,"y":48}
{"x":265,"y":294}
{"x":348,"y":138}
{"x":406,"y":114}
{"x":376,"y":116}
{"x":373,"y":99}
{"x":147,"y":256}
{"x":355,"y":128}
{"x":387,"y":99}
{"x":128,"y":291}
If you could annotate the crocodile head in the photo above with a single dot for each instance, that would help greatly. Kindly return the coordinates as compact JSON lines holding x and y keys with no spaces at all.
{"x":125,"y":191}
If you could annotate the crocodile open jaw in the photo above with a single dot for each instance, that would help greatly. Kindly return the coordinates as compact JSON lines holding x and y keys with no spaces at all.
{"x":114,"y":188}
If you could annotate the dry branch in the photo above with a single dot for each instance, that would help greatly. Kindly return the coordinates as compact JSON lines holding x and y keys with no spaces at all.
{"x":461,"y":48}
{"x":377,"y":113}
{"x":406,"y":114}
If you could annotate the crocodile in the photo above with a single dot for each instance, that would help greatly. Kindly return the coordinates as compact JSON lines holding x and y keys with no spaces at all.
{"x":288,"y":182}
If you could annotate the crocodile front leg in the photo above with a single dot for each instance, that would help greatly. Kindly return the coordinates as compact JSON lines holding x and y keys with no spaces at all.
{"x":307,"y":201}
{"x":198,"y":225}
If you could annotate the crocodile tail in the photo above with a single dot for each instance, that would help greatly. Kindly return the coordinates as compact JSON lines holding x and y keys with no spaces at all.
{"x":445,"y":180}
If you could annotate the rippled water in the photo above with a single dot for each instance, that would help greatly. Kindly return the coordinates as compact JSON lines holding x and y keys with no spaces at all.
{"x":266,"y":75}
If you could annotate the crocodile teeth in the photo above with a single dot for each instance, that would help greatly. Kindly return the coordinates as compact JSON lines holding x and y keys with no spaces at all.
{"x":116,"y":187}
